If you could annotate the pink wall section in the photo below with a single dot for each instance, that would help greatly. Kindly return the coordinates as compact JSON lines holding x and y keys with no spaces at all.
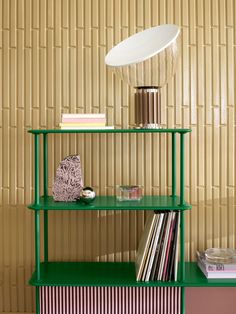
{"x":211,"y":301}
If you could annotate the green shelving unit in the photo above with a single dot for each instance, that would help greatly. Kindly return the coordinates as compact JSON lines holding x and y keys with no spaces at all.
{"x":49,"y":273}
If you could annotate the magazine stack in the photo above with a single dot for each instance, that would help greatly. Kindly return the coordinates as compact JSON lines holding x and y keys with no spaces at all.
{"x":216,"y":263}
{"x":83,"y":121}
{"x":157,"y":256}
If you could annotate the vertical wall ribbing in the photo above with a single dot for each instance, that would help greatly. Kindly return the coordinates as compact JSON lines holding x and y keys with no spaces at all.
{"x":52,"y":61}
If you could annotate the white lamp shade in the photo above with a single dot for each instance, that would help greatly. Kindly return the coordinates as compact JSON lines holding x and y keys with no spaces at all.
{"x":147,"y":58}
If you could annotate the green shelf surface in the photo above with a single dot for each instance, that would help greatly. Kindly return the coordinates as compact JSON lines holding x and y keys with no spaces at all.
{"x":195,"y":278}
{"x":44,"y":131}
{"x":110,"y":203}
{"x":115,"y":274}
{"x":92,"y":274}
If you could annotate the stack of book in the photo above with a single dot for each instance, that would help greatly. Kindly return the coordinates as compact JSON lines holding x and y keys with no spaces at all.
{"x":83,"y":121}
{"x":157,"y":255}
{"x":216,"y":270}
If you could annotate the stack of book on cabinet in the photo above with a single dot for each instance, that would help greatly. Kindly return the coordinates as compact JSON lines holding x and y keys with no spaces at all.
{"x":83,"y":121}
{"x":216,"y":269}
{"x":157,"y":256}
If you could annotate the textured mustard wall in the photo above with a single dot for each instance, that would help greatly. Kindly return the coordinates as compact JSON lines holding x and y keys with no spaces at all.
{"x":52,"y":61}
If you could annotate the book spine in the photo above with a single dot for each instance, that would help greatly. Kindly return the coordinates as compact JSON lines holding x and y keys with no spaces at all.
{"x":83,"y":115}
{"x":82,"y":120}
{"x":217,"y":268}
{"x":175,"y":270}
{"x":88,"y":128}
{"x":210,"y":267}
{"x":157,"y":253}
{"x":163,"y":254}
{"x":172,"y":249}
{"x":65,"y":124}
{"x":151,"y":247}
{"x":144,"y":245}
{"x":168,"y":249}
{"x":156,"y":237}
{"x":160,"y":248}
{"x":216,"y":274}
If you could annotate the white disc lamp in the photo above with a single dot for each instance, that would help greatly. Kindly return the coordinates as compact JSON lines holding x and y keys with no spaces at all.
{"x":146,"y":61}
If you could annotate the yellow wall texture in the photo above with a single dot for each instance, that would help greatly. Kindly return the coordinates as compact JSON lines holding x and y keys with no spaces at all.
{"x":52,"y":61}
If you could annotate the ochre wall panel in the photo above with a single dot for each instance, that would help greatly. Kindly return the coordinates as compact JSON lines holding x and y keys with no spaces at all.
{"x":52,"y":62}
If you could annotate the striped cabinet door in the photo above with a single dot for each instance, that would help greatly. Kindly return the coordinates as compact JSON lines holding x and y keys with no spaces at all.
{"x":110,"y":300}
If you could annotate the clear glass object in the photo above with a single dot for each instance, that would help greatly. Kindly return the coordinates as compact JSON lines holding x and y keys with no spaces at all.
{"x":219,"y":255}
{"x":129,"y":192}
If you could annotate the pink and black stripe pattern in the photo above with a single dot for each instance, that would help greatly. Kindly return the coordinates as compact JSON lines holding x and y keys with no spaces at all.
{"x":110,"y":300}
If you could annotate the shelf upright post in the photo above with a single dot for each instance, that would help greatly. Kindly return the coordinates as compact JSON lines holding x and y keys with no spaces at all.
{"x":36,"y":170}
{"x":37,"y":217}
{"x":45,"y":187}
{"x":182,"y":222}
{"x":37,"y":212}
{"x":45,"y":164}
{"x":173,"y":164}
{"x":182,"y":202}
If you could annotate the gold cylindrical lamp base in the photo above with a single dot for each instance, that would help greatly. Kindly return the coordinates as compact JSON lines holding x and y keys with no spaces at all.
{"x":147,"y":107}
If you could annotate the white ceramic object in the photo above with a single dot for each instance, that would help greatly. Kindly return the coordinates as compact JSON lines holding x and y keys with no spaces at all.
{"x":147,"y":58}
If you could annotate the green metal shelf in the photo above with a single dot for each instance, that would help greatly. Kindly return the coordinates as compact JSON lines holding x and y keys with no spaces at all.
{"x":115,"y":274}
{"x":43,"y":131}
{"x":110,"y":203}
{"x":92,"y":274}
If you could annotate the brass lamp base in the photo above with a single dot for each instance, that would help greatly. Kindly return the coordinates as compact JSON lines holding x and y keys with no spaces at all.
{"x":147,"y":107}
